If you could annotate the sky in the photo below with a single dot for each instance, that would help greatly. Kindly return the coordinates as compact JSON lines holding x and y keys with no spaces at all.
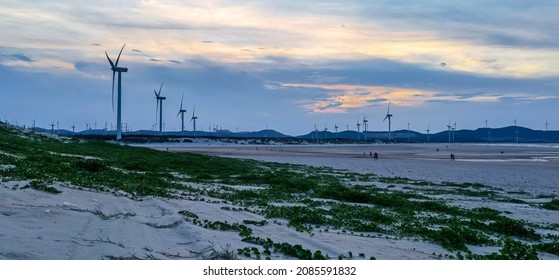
{"x":283,"y":65}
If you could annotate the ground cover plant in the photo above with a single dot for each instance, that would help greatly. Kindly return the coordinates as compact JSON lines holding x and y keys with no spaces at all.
{"x":306,"y":199}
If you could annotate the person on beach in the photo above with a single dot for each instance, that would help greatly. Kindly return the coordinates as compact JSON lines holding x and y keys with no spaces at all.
{"x":452,"y":157}
{"x":370,"y":154}
{"x":375,"y":157}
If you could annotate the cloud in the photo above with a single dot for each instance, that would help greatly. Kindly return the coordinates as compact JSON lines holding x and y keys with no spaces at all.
{"x":20,"y":57}
{"x":324,"y":106}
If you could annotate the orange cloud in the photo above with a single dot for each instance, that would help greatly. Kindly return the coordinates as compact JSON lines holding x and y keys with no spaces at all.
{"x":343,"y":96}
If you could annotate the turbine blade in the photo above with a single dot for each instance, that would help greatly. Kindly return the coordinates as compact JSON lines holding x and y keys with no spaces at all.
{"x":118,"y":58}
{"x":182,"y":99}
{"x":156,"y":95}
{"x":110,"y":61}
{"x":160,"y":89}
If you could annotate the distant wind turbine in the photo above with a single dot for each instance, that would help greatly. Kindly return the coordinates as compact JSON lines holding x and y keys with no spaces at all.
{"x":194,"y":118}
{"x":181,"y":112}
{"x":389,"y":117}
{"x":449,"y":127}
{"x":159,"y":104}
{"x":365,"y":124}
{"x":428,"y":132}
{"x":52,"y":127}
{"x":546,"y":125}
{"x":358,"y":128}
{"x":119,"y":70}
{"x":336,"y":129}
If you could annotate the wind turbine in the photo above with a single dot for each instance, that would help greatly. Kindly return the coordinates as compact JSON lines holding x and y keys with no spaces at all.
{"x":159,"y":103}
{"x":358,"y":128}
{"x":181,"y":112}
{"x":389,"y":117}
{"x":365,"y":124}
{"x":336,"y":129}
{"x":453,"y":131}
{"x":546,"y":125}
{"x":194,"y":118}
{"x":73,"y":128}
{"x":449,"y":127}
{"x":428,"y":132}
{"x":52,"y":128}
{"x":119,"y":70}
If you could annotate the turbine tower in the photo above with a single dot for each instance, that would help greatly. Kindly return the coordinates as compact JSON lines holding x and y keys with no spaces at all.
{"x":181,"y":112}
{"x":194,"y":118}
{"x":119,"y":70}
{"x":428,"y":132}
{"x":159,"y":103}
{"x":389,"y":117}
{"x":546,"y":126}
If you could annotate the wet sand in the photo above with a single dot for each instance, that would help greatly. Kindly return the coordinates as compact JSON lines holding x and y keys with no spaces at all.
{"x":530,"y":168}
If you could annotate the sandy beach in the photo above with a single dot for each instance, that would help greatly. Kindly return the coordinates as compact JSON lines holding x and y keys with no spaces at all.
{"x":85,"y":224}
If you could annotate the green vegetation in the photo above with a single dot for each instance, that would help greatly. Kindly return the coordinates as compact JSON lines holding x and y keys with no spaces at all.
{"x":41,"y":186}
{"x":552,"y":205}
{"x":310,"y":200}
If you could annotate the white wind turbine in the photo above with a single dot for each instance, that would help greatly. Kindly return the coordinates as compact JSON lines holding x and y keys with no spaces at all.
{"x":449,"y":127}
{"x":389,"y":117}
{"x":365,"y":126}
{"x":119,"y":70}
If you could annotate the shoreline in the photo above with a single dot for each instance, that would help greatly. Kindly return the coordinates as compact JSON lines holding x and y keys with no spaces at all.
{"x":514,"y":168}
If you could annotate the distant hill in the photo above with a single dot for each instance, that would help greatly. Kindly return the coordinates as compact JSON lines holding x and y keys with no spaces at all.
{"x":480,"y":135}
